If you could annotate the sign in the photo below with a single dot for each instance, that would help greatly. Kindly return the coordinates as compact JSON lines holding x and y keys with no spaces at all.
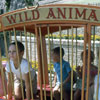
{"x":53,"y":13}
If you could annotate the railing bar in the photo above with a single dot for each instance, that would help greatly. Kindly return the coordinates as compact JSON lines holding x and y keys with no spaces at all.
{"x":89,"y":54}
{"x":50,"y":62}
{"x":42,"y":62}
{"x":30,"y":35}
{"x":2,"y":75}
{"x":37,"y":37}
{"x":61,"y":63}
{"x":35,"y":51}
{"x":68,"y":45}
{"x":27,"y":56}
{"x":84,"y":63}
{"x":76,"y":47}
{"x":72,"y":67}
{"x":6,"y":49}
{"x":94,"y":39}
{"x":19,"y":63}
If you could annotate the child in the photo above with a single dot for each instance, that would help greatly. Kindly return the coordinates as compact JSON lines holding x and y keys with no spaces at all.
{"x":15,"y":69}
{"x":93,"y":72}
{"x":66,"y":75}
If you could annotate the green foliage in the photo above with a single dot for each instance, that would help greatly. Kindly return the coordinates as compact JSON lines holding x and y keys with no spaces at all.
{"x":78,"y":37}
{"x":29,"y":2}
{"x":8,"y":4}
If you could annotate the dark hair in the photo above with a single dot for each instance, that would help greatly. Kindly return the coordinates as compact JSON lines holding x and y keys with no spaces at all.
{"x":92,"y":56}
{"x":57,"y":51}
{"x":19,"y":44}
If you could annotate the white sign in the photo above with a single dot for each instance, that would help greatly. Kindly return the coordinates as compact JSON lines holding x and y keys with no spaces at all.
{"x":53,"y":13}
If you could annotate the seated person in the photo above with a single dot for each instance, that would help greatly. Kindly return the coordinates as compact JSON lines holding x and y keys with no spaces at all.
{"x":15,"y":68}
{"x":93,"y":72}
{"x":66,"y":75}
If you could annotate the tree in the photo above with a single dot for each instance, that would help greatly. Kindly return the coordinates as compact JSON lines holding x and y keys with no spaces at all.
{"x":8,"y":4}
{"x":16,"y":4}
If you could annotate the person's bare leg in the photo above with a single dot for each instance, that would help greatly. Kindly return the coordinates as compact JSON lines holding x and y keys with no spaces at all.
{"x":18,"y":94}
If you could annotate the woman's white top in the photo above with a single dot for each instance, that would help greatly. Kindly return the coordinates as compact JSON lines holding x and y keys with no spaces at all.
{"x":95,"y":87}
{"x":24,"y":69}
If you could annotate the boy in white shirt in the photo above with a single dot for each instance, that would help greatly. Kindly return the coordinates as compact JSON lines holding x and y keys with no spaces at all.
{"x":15,"y":70}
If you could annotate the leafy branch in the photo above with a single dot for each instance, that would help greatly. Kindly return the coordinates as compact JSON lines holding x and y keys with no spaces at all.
{"x":8,"y":4}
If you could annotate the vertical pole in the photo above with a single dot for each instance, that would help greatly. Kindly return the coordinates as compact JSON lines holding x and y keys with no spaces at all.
{"x":84,"y":63}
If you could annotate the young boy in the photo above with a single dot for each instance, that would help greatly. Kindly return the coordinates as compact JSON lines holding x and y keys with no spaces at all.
{"x":66,"y":75}
{"x":15,"y":70}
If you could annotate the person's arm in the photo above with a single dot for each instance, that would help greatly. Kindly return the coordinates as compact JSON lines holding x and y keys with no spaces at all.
{"x":10,"y":86}
{"x":27,"y":85}
{"x":68,"y":78}
{"x":55,"y":79}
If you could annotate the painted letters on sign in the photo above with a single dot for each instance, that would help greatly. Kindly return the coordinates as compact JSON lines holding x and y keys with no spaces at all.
{"x":53,"y":13}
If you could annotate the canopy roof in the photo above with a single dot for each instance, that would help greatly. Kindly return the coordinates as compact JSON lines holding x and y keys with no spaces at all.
{"x":52,"y":15}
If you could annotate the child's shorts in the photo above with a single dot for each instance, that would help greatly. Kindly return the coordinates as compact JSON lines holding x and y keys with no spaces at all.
{"x":17,"y":83}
